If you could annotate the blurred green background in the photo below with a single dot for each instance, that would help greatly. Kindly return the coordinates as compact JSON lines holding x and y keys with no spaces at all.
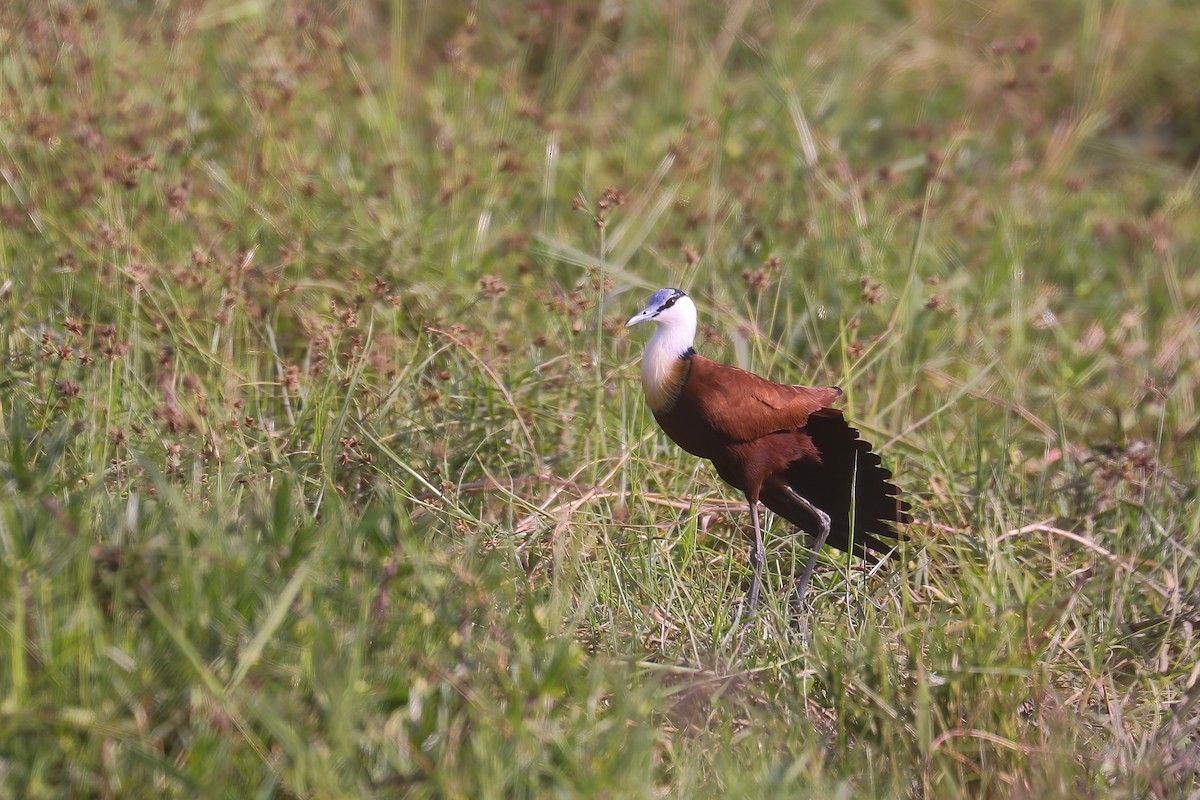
{"x":325,"y":468}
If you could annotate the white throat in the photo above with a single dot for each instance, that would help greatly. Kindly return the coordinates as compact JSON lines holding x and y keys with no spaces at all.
{"x":673,"y":337}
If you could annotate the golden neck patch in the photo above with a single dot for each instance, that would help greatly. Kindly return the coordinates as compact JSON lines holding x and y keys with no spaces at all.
{"x":664,"y":374}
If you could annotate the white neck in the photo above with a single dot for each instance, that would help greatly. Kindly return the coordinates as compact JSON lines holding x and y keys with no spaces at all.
{"x":672,"y":338}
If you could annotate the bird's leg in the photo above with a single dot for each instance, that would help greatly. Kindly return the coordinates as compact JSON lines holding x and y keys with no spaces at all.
{"x":757,"y":557}
{"x":822,"y":535}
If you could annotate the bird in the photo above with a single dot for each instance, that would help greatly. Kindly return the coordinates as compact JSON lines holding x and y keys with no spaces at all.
{"x":785,"y":446}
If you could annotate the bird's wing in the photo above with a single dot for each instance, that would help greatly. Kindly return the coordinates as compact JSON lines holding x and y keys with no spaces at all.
{"x":741,"y":406}
{"x":848,"y":482}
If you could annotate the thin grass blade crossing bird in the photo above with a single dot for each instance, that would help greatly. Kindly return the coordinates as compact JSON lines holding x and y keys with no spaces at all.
{"x":784,"y":446}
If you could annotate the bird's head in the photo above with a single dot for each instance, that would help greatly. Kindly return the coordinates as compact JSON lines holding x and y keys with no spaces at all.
{"x":668,"y":308}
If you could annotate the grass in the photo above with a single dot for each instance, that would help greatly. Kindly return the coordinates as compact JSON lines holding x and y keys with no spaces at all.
{"x":325,"y":468}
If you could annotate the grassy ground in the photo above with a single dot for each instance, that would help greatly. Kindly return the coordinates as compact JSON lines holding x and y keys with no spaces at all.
{"x":325,"y":468}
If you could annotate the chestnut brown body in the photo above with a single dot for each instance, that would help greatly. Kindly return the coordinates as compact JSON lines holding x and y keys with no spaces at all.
{"x":784,"y":446}
{"x":761,"y":434}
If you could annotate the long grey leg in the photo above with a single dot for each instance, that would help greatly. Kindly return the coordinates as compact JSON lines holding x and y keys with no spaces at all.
{"x":757,"y":557}
{"x":822,"y":535}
